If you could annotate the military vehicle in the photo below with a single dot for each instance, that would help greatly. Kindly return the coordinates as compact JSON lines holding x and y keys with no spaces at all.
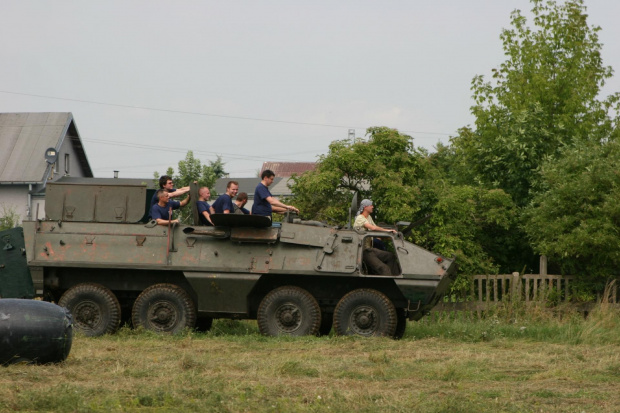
{"x":97,"y":254}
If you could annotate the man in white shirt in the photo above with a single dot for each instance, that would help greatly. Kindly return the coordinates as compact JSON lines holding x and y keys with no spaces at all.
{"x":377,"y":261}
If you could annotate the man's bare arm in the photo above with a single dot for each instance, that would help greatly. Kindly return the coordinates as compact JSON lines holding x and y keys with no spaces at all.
{"x":276,"y":203}
{"x":185,"y":201}
{"x":179,"y":192}
{"x":165,"y":221}
{"x":207,"y":216}
{"x":371,"y":227}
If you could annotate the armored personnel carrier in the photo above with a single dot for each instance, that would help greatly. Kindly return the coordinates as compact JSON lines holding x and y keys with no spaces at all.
{"x":97,"y":254}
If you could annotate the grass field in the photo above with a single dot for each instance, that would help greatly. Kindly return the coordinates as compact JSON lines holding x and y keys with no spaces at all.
{"x":496,"y":364}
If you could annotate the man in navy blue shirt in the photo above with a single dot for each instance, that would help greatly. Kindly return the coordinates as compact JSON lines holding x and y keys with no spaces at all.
{"x":165,"y":182}
{"x":160,"y":212}
{"x":264,"y":202}
{"x":224,"y":204}
{"x":203,"y":207}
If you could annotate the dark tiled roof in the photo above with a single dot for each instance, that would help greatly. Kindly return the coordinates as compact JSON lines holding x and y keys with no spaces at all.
{"x":248,"y":185}
{"x":287,"y":169}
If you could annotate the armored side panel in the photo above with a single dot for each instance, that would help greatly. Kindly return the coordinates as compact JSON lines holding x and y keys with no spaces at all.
{"x":15,"y":279}
{"x":95,"y":203}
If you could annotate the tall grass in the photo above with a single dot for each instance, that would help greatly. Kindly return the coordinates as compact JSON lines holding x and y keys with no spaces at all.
{"x":513,"y":360}
{"x":565,"y":323}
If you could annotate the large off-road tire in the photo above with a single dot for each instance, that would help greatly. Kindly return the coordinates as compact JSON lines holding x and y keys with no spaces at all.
{"x":401,"y":324}
{"x":95,"y":309}
{"x":289,"y":311}
{"x":164,"y":308}
{"x":365,"y":312}
{"x":327,"y":321}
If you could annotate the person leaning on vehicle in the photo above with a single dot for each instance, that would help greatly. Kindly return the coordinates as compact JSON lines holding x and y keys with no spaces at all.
{"x":203,"y":206}
{"x":378,"y":261}
{"x":165,"y":183}
{"x":264,"y":203}
{"x":224,"y":204}
{"x":239,"y":204}
{"x":160,"y":212}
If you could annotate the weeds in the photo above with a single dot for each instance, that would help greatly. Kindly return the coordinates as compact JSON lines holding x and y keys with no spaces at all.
{"x":526,"y":321}
{"x":506,"y":361}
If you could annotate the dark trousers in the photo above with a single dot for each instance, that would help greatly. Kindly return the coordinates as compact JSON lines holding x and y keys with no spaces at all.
{"x":380,"y":262}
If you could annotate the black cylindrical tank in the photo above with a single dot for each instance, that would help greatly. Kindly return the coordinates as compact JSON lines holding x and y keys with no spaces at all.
{"x":34,"y":331}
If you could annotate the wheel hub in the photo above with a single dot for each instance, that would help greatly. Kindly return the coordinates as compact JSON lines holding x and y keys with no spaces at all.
{"x":364,"y":320}
{"x":163,"y":315}
{"x":87,"y":314}
{"x":288,"y":317}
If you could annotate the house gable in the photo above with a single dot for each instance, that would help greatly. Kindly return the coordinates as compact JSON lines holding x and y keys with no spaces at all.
{"x":26,"y":136}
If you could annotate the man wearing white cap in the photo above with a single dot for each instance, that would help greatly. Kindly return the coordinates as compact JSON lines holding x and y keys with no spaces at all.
{"x":378,"y":261}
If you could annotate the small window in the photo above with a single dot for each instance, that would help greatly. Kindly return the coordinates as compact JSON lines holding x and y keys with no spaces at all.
{"x":67,"y":164}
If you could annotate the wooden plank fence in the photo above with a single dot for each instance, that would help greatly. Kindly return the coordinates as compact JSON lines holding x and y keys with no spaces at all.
{"x":490,"y":290}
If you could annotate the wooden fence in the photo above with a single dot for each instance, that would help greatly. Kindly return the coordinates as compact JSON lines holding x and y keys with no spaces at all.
{"x":490,"y":290}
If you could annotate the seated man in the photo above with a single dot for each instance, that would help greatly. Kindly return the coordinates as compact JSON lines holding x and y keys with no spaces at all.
{"x":264,"y":203}
{"x":162,"y":210}
{"x":224,"y":204}
{"x":165,"y":183}
{"x":378,"y":261}
{"x":203,"y":207}
{"x":240,"y":202}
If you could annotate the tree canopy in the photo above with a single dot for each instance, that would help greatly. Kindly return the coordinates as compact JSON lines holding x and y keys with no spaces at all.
{"x":386,"y":166}
{"x":575,"y":220}
{"x":192,"y":169}
{"x":536,"y":173}
{"x":404,"y":185}
{"x":541,"y":99}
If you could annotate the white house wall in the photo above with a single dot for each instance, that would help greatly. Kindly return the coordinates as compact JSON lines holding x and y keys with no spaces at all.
{"x":14,"y":198}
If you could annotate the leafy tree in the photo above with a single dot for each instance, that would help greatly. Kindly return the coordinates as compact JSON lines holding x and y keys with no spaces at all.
{"x":466,"y":222}
{"x":386,"y":167}
{"x":191,"y":169}
{"x":576,"y":219}
{"x":543,"y":98}
{"x":405,"y":185}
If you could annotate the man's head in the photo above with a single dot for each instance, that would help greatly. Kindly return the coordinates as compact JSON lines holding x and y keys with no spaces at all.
{"x":242,"y":199}
{"x":366,"y":206}
{"x":231,"y":188}
{"x":163,"y":195}
{"x":204,"y":193}
{"x":165,"y":182}
{"x":267,"y":177}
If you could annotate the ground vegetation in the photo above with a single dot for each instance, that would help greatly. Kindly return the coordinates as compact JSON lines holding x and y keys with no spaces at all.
{"x":504,"y":362}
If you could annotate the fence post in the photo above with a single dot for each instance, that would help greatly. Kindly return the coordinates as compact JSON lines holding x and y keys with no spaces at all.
{"x":543,"y":266}
{"x":515,"y":283}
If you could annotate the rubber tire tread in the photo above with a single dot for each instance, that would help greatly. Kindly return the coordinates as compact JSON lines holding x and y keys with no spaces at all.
{"x":167,"y":292}
{"x":106,"y":300}
{"x":302,"y":298}
{"x":401,"y":323}
{"x":365,"y":296}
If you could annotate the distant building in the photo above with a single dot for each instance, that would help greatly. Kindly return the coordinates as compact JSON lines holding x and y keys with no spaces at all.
{"x":287,"y":169}
{"x":24,"y":170}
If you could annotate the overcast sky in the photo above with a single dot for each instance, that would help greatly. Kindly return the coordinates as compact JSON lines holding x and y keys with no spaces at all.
{"x":253,"y":81}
